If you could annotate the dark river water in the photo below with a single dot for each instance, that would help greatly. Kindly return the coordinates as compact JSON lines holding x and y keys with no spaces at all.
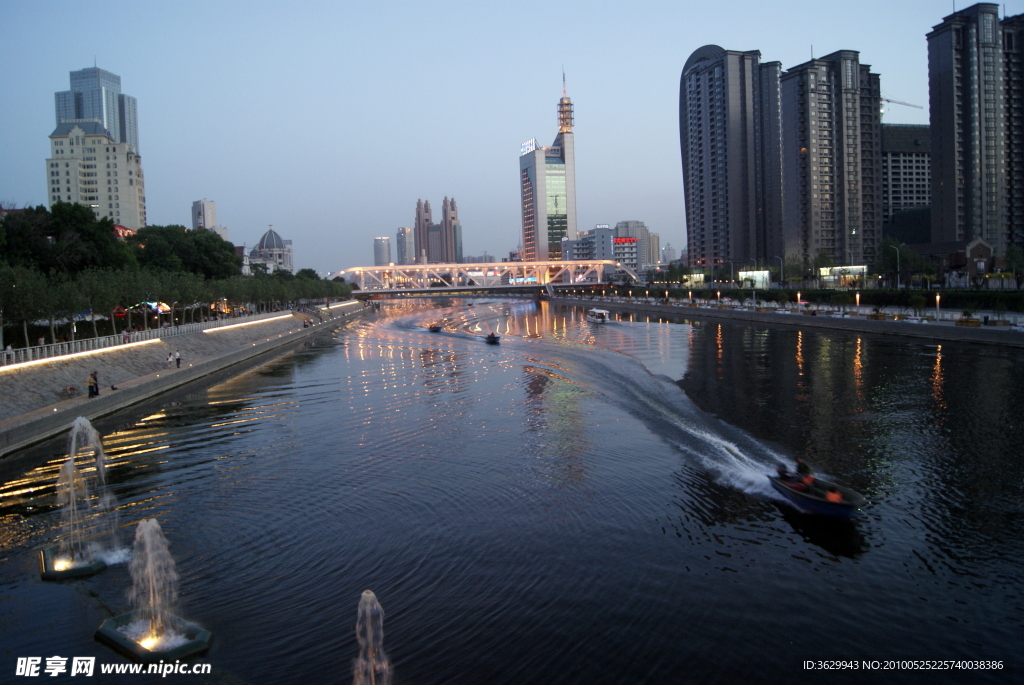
{"x":580,"y":504}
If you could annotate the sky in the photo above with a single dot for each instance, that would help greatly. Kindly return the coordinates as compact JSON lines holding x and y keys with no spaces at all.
{"x":328,"y":120}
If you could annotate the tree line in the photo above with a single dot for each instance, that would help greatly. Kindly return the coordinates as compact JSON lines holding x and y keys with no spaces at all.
{"x":58,"y":263}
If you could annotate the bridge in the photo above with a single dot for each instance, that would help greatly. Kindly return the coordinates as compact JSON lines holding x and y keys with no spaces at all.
{"x":482,"y":276}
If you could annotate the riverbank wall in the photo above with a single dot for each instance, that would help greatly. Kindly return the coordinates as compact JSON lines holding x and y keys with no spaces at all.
{"x":34,"y":410}
{"x":939,"y":331}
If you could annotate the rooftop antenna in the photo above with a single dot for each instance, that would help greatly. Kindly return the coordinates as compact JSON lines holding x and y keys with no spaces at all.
{"x":564,"y":94}
{"x":812,"y":51}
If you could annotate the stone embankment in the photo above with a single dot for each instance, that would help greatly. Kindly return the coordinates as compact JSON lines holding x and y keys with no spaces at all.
{"x":36,"y":402}
{"x":939,"y":331}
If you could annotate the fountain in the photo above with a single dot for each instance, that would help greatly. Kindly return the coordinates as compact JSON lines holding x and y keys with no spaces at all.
{"x":150,"y":632}
{"x":371,"y":667}
{"x":77,"y":553}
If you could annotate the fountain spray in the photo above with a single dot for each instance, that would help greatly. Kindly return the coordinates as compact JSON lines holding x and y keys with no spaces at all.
{"x":154,"y":577}
{"x":371,"y":667}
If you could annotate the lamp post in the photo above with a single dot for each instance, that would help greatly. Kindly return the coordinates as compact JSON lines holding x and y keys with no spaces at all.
{"x":850,"y":252}
{"x":937,"y":307}
{"x":732,"y":276}
{"x":897,"y":266}
{"x":782,"y":270}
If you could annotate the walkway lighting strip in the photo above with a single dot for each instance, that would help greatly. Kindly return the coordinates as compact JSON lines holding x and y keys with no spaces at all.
{"x":62,"y":357}
{"x":236,"y":325}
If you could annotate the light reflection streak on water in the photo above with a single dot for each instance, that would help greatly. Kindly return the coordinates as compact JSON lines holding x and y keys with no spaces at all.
{"x":938,"y":380}
{"x":800,"y":353}
{"x":858,"y":368}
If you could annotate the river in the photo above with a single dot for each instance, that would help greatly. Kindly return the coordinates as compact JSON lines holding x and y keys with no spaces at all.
{"x":582,"y":503}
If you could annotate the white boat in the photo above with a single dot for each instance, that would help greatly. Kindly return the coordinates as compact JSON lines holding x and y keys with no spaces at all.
{"x":598,"y":315}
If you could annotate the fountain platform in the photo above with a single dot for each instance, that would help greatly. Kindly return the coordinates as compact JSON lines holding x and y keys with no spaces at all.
{"x":48,"y":567}
{"x":197,"y":640}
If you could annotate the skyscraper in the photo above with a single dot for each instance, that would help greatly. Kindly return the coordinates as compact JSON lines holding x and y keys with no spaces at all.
{"x":405,"y":247}
{"x":437,"y":243}
{"x":420,"y":231}
{"x":730,"y":135}
{"x":831,"y":160}
{"x":975,"y":84}
{"x":381,"y":251}
{"x":547,"y":179}
{"x":96,"y":94}
{"x":204,"y":215}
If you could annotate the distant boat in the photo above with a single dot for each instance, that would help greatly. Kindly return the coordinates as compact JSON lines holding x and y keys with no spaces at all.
{"x":812,"y":499}
{"x":434,"y":328}
{"x":597,"y":316}
{"x":491,"y":339}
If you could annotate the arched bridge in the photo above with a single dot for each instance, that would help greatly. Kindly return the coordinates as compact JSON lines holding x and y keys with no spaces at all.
{"x":492,"y":275}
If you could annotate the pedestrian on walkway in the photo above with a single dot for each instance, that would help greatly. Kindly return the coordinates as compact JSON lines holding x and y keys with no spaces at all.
{"x":94,"y":385}
{"x":170,"y":358}
{"x":177,"y":358}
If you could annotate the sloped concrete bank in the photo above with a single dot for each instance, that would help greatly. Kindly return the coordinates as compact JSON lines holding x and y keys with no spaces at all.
{"x":941,"y":332}
{"x":139,"y":373}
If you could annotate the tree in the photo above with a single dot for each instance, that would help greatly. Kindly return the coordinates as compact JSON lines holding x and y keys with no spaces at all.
{"x":173,"y":248}
{"x":1015,"y":262}
{"x":308,"y":274}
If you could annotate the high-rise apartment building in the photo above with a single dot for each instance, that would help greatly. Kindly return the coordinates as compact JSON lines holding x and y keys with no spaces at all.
{"x":831,"y":165}
{"x":906,"y":168}
{"x":381,"y":251}
{"x":1013,"y":102}
{"x":96,"y":94}
{"x":89,"y":167}
{"x":547,"y":181}
{"x":405,"y":247}
{"x":975,"y":82}
{"x":730,"y":136}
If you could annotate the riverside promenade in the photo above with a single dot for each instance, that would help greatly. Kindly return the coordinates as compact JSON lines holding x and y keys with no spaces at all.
{"x":944,"y":330}
{"x":36,"y":404}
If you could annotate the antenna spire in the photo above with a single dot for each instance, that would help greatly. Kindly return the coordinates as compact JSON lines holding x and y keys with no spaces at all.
{"x":564,"y":93}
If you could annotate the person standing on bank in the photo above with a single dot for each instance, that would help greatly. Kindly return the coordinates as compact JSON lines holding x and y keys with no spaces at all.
{"x":94,"y":385}
{"x":177,"y":358}
{"x":170,"y":358}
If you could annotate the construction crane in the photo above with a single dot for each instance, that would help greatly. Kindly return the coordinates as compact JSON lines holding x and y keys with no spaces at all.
{"x":899,"y":102}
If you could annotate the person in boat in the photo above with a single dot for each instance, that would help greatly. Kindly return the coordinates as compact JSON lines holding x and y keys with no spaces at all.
{"x":833,"y":495}
{"x":806,"y":476}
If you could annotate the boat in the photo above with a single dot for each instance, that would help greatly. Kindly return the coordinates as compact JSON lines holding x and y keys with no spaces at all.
{"x":812,"y":500}
{"x":434,"y":328}
{"x":491,"y":339}
{"x":598,"y":315}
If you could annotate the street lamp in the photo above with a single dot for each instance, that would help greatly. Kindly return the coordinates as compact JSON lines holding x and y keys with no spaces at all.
{"x":781,"y":270}
{"x":850,"y":252}
{"x":937,"y":307}
{"x":897,"y":265}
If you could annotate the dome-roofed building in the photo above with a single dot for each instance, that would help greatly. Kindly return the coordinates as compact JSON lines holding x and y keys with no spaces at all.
{"x":274,"y":251}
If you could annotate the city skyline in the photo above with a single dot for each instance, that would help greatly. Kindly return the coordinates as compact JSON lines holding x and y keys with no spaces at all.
{"x":252,"y":152}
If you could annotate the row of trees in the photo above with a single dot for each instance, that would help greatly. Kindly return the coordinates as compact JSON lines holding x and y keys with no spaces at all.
{"x":56,"y":265}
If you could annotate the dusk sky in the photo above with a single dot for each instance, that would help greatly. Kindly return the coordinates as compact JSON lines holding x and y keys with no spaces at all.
{"x":330,"y":119}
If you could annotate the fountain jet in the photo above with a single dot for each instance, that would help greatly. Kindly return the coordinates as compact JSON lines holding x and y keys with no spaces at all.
{"x":150,"y":632}
{"x":371,"y":667}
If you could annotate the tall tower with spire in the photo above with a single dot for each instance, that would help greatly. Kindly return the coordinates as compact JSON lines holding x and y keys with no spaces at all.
{"x":547,"y":181}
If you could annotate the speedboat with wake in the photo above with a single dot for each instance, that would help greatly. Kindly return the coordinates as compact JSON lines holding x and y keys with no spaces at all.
{"x":491,"y":339}
{"x":819,"y":496}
